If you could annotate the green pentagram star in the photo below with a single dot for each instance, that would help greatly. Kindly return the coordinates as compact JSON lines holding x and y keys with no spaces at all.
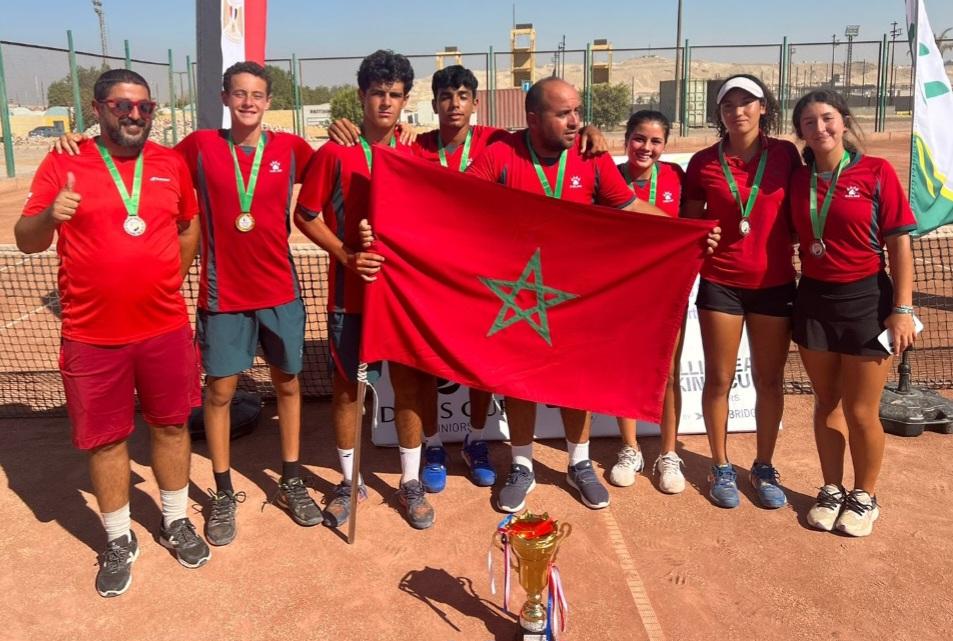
{"x":508,"y":290}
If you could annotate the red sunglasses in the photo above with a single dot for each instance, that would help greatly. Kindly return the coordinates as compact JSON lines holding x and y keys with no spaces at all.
{"x":125,"y":107}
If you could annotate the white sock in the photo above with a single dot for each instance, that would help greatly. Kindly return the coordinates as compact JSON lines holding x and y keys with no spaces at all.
{"x":117,"y":523}
{"x":523,"y":455}
{"x":578,"y":452}
{"x":174,"y":504}
{"x":476,"y":435}
{"x":409,"y":464}
{"x":434,"y":441}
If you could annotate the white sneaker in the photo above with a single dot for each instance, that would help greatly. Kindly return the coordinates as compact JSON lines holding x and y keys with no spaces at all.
{"x":669,"y":468}
{"x":630,"y":464}
{"x":825,"y":511}
{"x":859,"y":513}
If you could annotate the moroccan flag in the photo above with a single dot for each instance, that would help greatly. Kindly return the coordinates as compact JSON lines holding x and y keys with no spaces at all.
{"x":931,"y":158}
{"x":523,"y":295}
{"x":228,"y":31}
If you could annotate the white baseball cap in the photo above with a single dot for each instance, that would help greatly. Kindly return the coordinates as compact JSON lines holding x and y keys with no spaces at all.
{"x":740,"y":82}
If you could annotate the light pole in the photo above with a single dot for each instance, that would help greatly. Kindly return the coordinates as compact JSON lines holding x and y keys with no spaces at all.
{"x":834,"y":43}
{"x":895,"y":32}
{"x":850,"y":32}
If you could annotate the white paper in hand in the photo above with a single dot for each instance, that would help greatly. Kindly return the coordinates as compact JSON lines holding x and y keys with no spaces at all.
{"x":887,"y":341}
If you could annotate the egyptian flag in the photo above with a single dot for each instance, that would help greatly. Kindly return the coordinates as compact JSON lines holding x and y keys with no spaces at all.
{"x":523,"y":295}
{"x":228,"y":31}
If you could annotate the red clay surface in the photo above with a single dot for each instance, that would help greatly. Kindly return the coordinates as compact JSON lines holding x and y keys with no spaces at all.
{"x":650,"y":566}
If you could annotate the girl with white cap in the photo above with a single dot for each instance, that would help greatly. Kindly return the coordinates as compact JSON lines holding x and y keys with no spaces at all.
{"x":741,"y":181}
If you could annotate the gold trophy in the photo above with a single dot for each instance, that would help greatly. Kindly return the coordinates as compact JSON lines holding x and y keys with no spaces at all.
{"x":535,"y":539}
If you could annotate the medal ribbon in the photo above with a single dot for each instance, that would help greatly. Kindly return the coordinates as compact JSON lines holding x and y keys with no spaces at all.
{"x":819,"y":220}
{"x":367,"y":150}
{"x":653,"y":182}
{"x":245,"y":194}
{"x":556,"y":604}
{"x":560,"y":173}
{"x":463,"y":158}
{"x":131,"y":201}
{"x":733,"y":186}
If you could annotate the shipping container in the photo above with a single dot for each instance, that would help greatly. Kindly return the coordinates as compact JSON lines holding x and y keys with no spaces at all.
{"x":510,"y":110}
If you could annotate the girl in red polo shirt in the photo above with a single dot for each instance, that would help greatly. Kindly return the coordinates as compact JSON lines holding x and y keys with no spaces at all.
{"x":846,"y":208}
{"x":660,"y":184}
{"x":742,"y":182}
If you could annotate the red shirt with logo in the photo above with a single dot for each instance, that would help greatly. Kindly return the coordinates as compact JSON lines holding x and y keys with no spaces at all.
{"x":115,"y":288}
{"x":763,"y":258}
{"x":251,"y":270}
{"x":587,"y":180}
{"x":868,"y":205}
{"x":337,"y":185}
{"x":668,"y":186}
{"x":427,"y":146}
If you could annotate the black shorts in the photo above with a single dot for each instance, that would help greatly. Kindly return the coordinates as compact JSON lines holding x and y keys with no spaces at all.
{"x":738,"y":301}
{"x":845,"y":318}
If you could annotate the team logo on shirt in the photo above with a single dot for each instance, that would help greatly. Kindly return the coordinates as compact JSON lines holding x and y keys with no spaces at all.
{"x":667,"y":197}
{"x":575,"y":182}
{"x":275,"y":167}
{"x":853,"y":191}
{"x":159,"y":179}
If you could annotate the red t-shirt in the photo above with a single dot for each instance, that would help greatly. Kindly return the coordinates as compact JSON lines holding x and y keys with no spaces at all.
{"x":668,"y":186}
{"x":250,"y":270}
{"x":116,"y":288}
{"x":868,"y":205}
{"x":427,"y":146}
{"x":763,"y":258}
{"x":586,"y":180}
{"x":337,"y":185}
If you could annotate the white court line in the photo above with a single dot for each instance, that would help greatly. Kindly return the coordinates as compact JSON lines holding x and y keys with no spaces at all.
{"x":24,"y":317}
{"x":632,"y":579}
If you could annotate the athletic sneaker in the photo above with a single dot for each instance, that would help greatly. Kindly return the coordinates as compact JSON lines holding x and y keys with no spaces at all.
{"x":823,"y":514}
{"x":859,"y":513}
{"x":220,"y":528}
{"x":434,"y":473}
{"x":767,"y":483}
{"x":668,"y":466}
{"x":189,"y":548}
{"x":418,"y":511}
{"x":477,"y":457}
{"x":293,"y":495}
{"x":582,"y":477}
{"x":519,"y":483}
{"x":338,"y":503}
{"x":115,"y":565}
{"x":630,"y":464}
{"x":724,"y":486}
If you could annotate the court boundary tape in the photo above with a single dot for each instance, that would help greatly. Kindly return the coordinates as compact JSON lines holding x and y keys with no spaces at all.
{"x":632,"y":579}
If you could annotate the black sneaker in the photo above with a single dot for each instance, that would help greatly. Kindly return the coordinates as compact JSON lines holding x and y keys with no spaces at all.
{"x":293,"y":495}
{"x":115,"y":566}
{"x":519,"y":483}
{"x":220,"y":528}
{"x":593,"y":494}
{"x":189,"y":548}
{"x":338,"y":503}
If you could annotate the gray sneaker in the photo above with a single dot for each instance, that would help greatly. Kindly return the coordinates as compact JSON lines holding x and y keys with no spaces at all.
{"x":519,"y":483}
{"x":293,"y":496}
{"x":115,"y":566}
{"x":220,"y":528}
{"x":189,"y":548}
{"x":418,"y":510}
{"x":592,"y":493}
{"x":338,"y":503}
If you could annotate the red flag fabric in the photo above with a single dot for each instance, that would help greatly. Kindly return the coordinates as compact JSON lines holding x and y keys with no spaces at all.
{"x":524,"y":295}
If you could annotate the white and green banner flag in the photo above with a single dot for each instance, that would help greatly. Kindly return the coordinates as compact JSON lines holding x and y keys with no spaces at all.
{"x":931,"y":161}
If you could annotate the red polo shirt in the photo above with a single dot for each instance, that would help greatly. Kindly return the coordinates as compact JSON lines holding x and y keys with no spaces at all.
{"x":427,"y":146}
{"x":116,"y":288}
{"x":668,"y":186}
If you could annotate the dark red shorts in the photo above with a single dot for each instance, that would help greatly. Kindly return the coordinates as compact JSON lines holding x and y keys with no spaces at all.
{"x":100,"y":382}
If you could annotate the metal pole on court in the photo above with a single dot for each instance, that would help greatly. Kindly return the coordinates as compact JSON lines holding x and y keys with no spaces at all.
{"x":491,"y":87}
{"x":189,"y":78}
{"x":78,"y":120}
{"x":5,"y":123}
{"x":175,"y":130}
{"x":356,"y":463}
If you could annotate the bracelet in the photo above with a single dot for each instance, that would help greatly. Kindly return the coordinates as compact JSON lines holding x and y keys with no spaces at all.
{"x":902,"y":309}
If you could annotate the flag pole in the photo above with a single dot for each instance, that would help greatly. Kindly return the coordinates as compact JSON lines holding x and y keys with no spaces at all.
{"x":356,"y":461}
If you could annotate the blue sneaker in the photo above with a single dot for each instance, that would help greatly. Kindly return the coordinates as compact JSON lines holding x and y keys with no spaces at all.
{"x":477,"y":457}
{"x":767,"y":482}
{"x":434,"y":473}
{"x":724,"y":486}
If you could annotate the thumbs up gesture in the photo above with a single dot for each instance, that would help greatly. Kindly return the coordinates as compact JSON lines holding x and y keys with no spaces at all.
{"x":64,"y":207}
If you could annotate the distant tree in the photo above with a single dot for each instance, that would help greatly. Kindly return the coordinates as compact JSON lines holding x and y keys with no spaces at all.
{"x":610,"y":104}
{"x":346,"y":104}
{"x":60,"y":93}
{"x":282,"y":89}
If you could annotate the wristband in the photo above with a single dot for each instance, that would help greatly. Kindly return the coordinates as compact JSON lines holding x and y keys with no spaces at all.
{"x":902,"y":309}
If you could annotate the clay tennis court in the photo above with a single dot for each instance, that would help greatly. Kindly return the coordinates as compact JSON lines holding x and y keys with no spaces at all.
{"x":650,"y":566}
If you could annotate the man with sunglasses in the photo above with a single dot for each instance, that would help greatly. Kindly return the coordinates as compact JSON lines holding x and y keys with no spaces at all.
{"x":123,"y":213}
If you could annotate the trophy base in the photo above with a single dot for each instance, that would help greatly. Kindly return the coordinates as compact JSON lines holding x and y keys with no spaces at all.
{"x":525,"y":635}
{"x":531,"y":630}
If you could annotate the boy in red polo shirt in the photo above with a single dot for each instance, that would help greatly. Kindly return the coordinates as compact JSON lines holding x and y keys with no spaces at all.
{"x":123,"y":212}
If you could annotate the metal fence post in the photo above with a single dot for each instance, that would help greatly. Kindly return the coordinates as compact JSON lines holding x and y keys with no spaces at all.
{"x":686,"y":80}
{"x":587,"y":82}
{"x":783,"y":82}
{"x":128,"y":55}
{"x":882,"y":85}
{"x":491,"y":87}
{"x":5,"y":123}
{"x":175,"y":131}
{"x":189,"y":78}
{"x":295,"y":96}
{"x":78,"y":120}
